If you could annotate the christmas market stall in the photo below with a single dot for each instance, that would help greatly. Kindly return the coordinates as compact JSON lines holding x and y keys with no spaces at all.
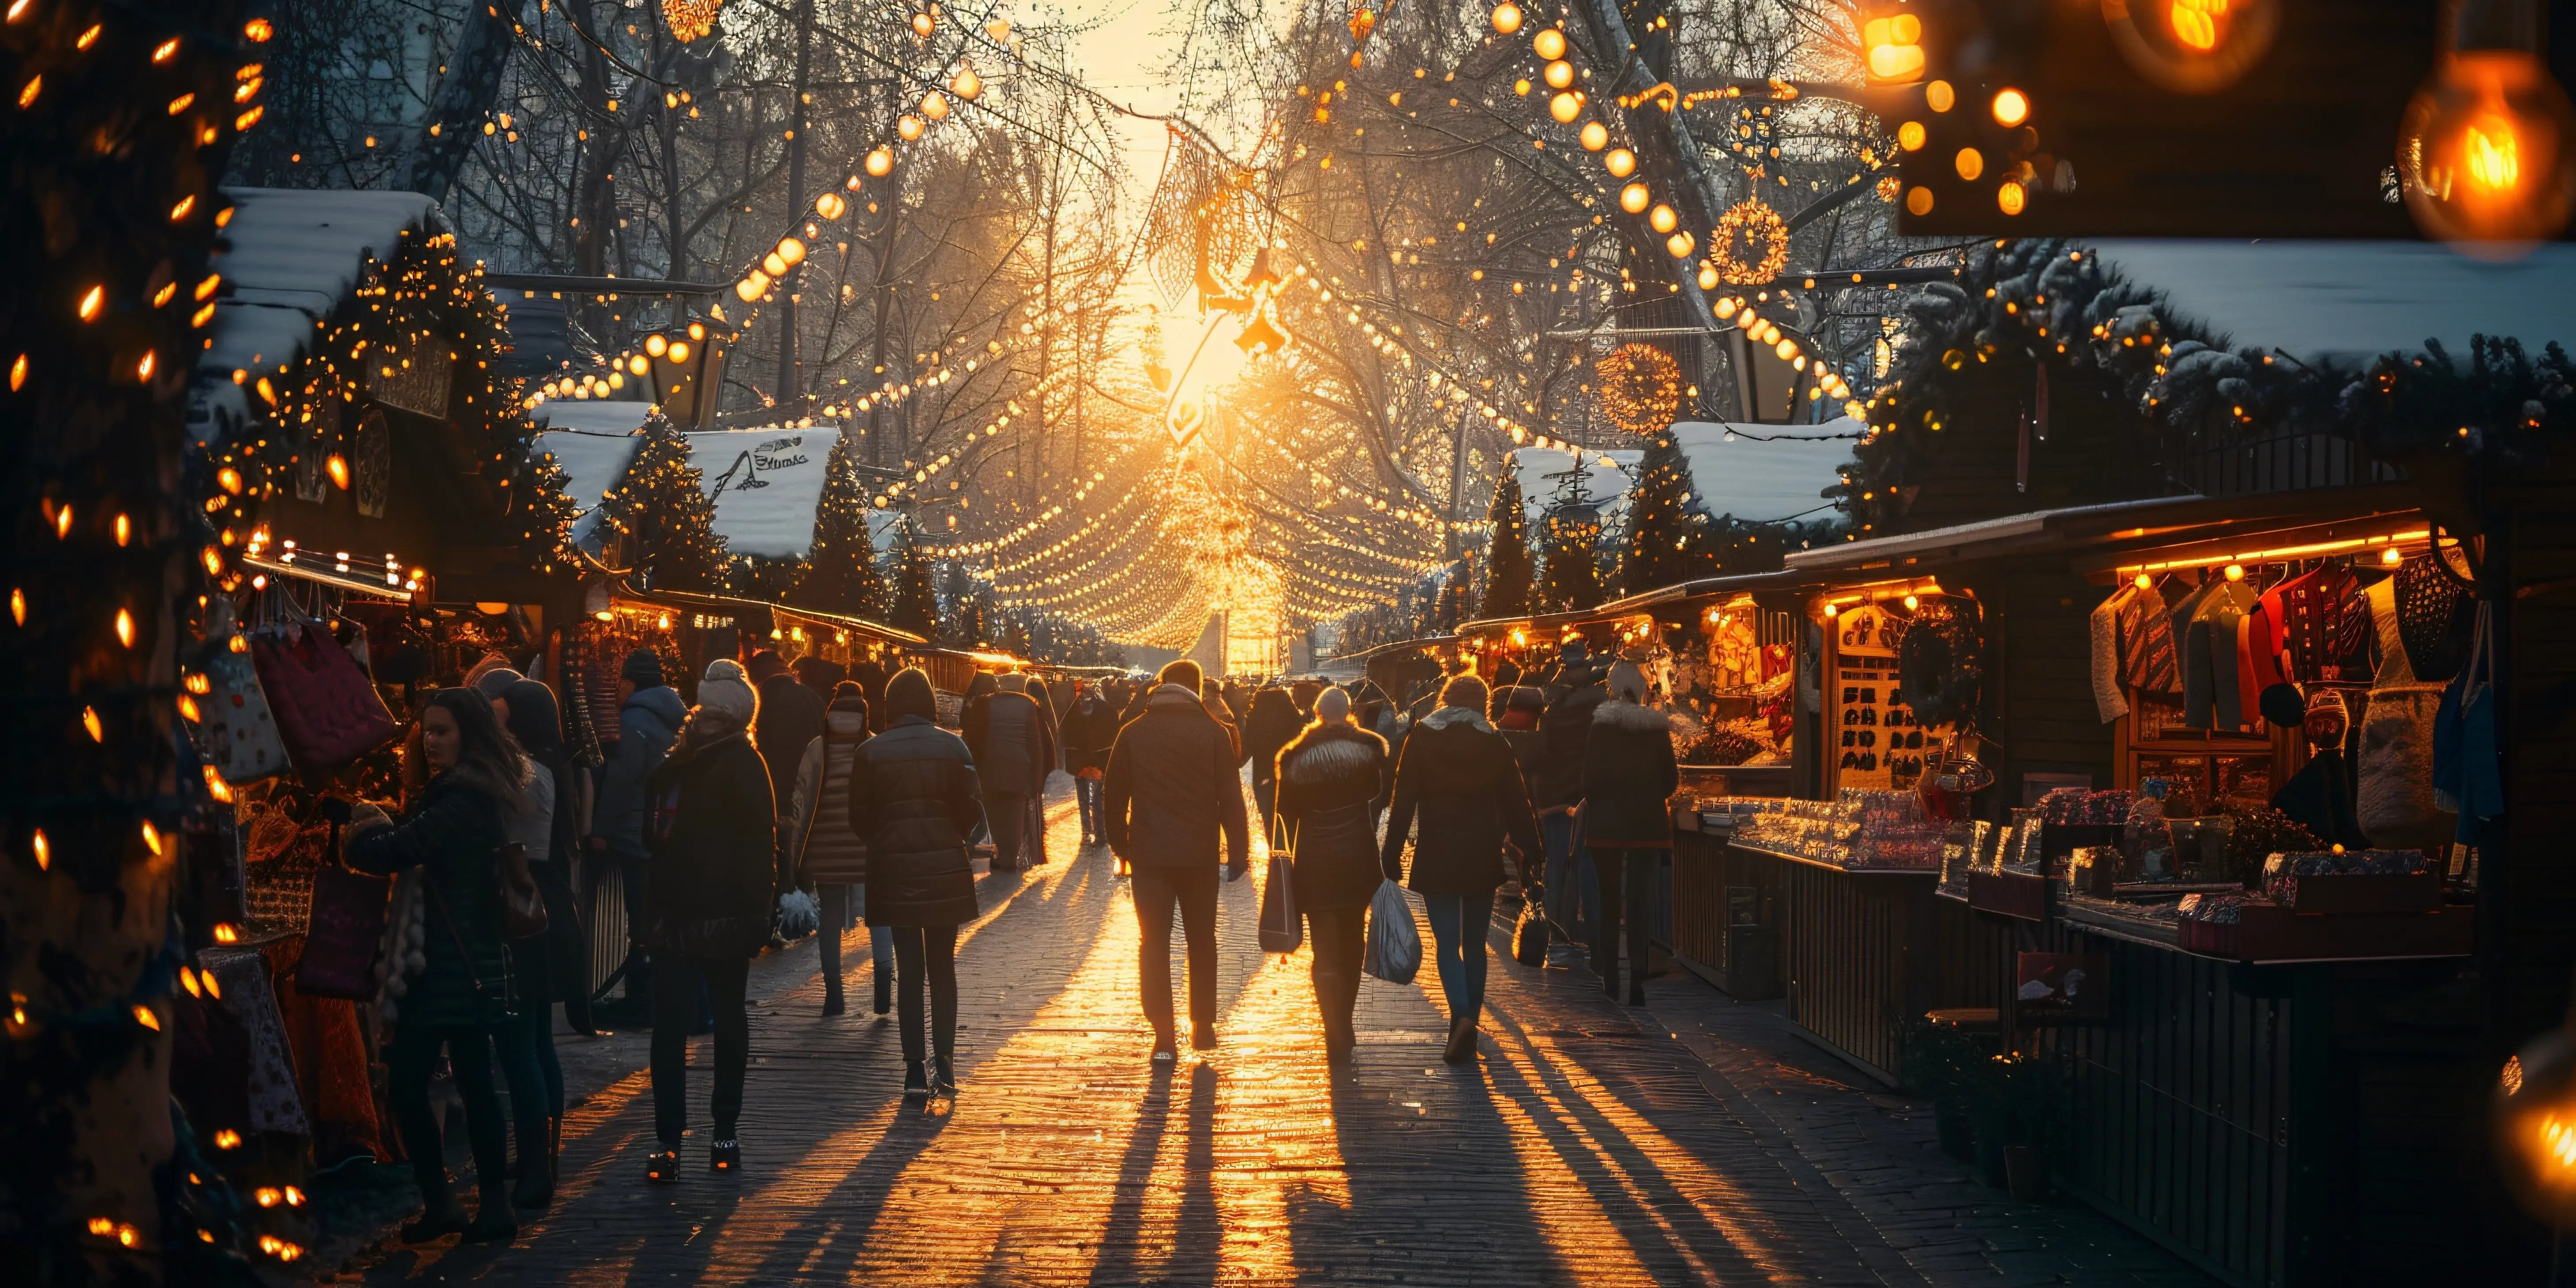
{"x":380,"y":525}
{"x":2194,"y":893}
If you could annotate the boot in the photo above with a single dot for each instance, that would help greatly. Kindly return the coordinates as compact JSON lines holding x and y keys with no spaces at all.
{"x":1462,"y":1041}
{"x":1338,"y":1040}
{"x":725,"y":1156}
{"x":943,"y":1078}
{"x":494,"y":1222}
{"x":885,"y":992}
{"x":1203,"y":1037}
{"x":440,"y":1214}
{"x":1636,"y":992}
{"x":833,"y":1003}
{"x":662,"y":1166}
{"x":916,"y":1080}
{"x":536,"y":1188}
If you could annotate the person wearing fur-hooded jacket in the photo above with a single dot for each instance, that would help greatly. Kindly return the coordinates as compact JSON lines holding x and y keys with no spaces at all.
{"x":1629,"y":777}
{"x":709,"y":904}
{"x":1458,"y":776}
{"x":1328,"y":779}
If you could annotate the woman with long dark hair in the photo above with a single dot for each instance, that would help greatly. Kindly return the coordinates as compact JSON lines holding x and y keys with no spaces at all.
{"x":548,"y":967}
{"x":463,"y":774}
{"x":914,"y":799}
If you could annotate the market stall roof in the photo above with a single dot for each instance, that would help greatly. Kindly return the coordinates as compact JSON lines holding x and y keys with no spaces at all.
{"x":1762,"y":473}
{"x":289,"y":257}
{"x":2117,"y":525}
{"x":766,"y":484}
{"x":2353,"y":300}
{"x":593,"y":461}
{"x":1607,"y":476}
{"x":761,"y":610}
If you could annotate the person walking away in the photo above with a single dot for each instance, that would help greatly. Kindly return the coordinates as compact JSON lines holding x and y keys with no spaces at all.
{"x":649,"y":715}
{"x":1458,"y":780}
{"x":713,"y":891}
{"x":1628,"y":781}
{"x":1273,"y":723}
{"x":821,"y":674}
{"x":1040,"y":693}
{"x":791,"y":718}
{"x":1090,"y":730}
{"x":463,"y":778}
{"x":1329,"y":777}
{"x":548,"y":967}
{"x":914,"y":799}
{"x":1171,"y":792}
{"x":1212,"y":700}
{"x":1007,"y":738}
{"x":1556,"y":789}
{"x":826,"y":853}
{"x":870,"y":676}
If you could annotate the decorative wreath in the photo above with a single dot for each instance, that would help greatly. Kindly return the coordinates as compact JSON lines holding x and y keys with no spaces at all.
{"x":1750,"y":245}
{"x":691,"y":19}
{"x":1941,"y":662}
{"x":1641,"y":388}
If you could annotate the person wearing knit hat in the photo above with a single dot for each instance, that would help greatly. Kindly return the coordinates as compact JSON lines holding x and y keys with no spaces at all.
{"x":710,"y":900}
{"x":1629,"y":776}
{"x":491,"y":681}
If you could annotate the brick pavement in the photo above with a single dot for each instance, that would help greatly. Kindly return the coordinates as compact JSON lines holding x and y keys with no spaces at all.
{"x":1697,"y":1141}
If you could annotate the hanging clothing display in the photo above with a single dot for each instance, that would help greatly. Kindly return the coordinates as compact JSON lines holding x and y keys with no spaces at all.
{"x":275,"y":1105}
{"x":2395,"y":788}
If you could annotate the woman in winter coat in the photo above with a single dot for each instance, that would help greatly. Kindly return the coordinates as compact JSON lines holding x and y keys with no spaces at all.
{"x":1090,"y":730}
{"x":710,"y":902}
{"x":547,"y":967}
{"x":825,"y":853}
{"x":1271,"y":724}
{"x":914,"y":800}
{"x":1329,"y":778}
{"x":1628,"y":779}
{"x":1459,"y":777}
{"x":464,"y":776}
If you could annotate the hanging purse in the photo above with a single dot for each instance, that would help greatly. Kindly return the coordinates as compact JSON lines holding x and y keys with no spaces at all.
{"x":1529,"y":938}
{"x":523,"y":905}
{"x":1282,"y":930}
{"x":327,"y":710}
{"x":238,"y":735}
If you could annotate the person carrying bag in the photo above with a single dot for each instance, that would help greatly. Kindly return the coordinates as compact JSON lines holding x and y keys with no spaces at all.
{"x":1329,"y":779}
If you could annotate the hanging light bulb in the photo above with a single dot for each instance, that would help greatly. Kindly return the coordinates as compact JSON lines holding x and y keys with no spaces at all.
{"x":966,"y":84}
{"x":2483,"y":153}
{"x":1633,"y":198}
{"x":830,"y":205}
{"x":1558,"y":74}
{"x":1596,"y":136}
{"x":1507,"y":17}
{"x":1662,"y":218}
{"x":923,"y":24}
{"x":934,"y":105}
{"x":881,"y":162}
{"x":1622,"y":163}
{"x":909,"y":126}
{"x":1566,"y":106}
{"x":1549,"y":43}
{"x":792,"y":251}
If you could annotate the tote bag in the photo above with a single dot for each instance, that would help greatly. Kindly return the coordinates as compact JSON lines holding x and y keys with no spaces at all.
{"x":326,"y":708}
{"x":1282,"y":929}
{"x":344,"y":933}
{"x":238,"y":736}
{"x":1529,"y":938}
{"x":1394,"y":946}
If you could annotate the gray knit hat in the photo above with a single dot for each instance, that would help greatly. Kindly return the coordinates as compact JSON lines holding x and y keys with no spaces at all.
{"x":726,"y":691}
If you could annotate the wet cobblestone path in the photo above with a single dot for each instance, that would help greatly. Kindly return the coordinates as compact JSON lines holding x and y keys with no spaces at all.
{"x":1695,"y":1141}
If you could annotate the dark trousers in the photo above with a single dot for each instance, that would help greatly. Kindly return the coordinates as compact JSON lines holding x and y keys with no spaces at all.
{"x":526,"y":1046}
{"x":1627,"y":881}
{"x":1157,"y":891}
{"x":838,"y":903}
{"x":1339,"y":938}
{"x":413,"y":1054}
{"x":926,"y":955}
{"x":1086,"y":796}
{"x":1458,"y":924}
{"x":1265,"y":798}
{"x":676,"y":980}
{"x":1009,"y":814}
{"x":631,"y":869}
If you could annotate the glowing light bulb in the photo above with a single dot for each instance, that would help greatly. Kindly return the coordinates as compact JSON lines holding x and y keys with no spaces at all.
{"x":880,"y":162}
{"x":2011,"y":107}
{"x":1633,"y":198}
{"x":1507,"y":17}
{"x":1596,"y":136}
{"x":1621,"y":162}
{"x":1566,"y":106}
{"x":1893,"y":48}
{"x":1549,"y":43}
{"x":1558,"y":74}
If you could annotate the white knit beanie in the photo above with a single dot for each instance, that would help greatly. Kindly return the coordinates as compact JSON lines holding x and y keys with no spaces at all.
{"x":726,"y":691}
{"x":1628,"y":682}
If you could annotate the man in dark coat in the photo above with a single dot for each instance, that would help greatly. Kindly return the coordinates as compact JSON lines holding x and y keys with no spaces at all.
{"x":1272,"y":724}
{"x":1330,"y":777}
{"x":915,"y":799}
{"x":1014,"y":751}
{"x":1090,"y":730}
{"x":1172,"y":791}
{"x":870,"y":676}
{"x":1556,"y":788}
{"x":1628,"y":781}
{"x":791,"y":717}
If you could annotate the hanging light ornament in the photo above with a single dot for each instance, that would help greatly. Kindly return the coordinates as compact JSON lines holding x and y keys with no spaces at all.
{"x":934,"y":105}
{"x":999,"y":29}
{"x":1750,"y":244}
{"x":881,"y":162}
{"x":690,"y":19}
{"x":1549,"y":43}
{"x":1596,"y":136}
{"x":1566,"y":106}
{"x":1633,"y":198}
{"x":1559,"y":74}
{"x":1507,"y":17}
{"x":2484,"y":152}
{"x":1641,"y":388}
{"x":966,"y":84}
{"x":1622,"y":163}
{"x":830,"y":205}
{"x":1363,"y":21}
{"x":909,"y":126}
{"x":923,"y":23}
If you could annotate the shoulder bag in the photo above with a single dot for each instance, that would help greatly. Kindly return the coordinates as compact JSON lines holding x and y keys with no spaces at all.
{"x":1282,"y":929}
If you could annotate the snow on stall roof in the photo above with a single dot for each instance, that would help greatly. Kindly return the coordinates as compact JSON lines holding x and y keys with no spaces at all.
{"x":1603,"y":484}
{"x":2353,"y":300}
{"x":1767,"y":471}
{"x":593,"y":457}
{"x":767,"y":485}
{"x":293,"y":255}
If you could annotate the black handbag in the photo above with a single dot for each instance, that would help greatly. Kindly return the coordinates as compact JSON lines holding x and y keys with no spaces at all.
{"x":1529,"y":938}
{"x":1282,"y":930}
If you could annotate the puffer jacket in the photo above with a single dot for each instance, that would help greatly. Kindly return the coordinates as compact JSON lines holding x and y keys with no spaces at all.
{"x":914,"y":799}
{"x":1273,"y":724}
{"x":454,"y":836}
{"x":1090,"y":730}
{"x":1458,"y":778}
{"x":1171,"y":789}
{"x":1564,"y":731}
{"x":1628,"y":776}
{"x":1009,"y":740}
{"x":715,"y":876}
{"x":821,"y":846}
{"x":646,"y":727}
{"x":1331,"y":777}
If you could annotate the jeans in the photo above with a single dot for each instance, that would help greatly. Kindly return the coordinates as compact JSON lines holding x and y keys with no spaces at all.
{"x":413,"y":1053}
{"x":1569,"y":899}
{"x":1008,"y":812}
{"x":840,"y":903}
{"x":676,"y":991}
{"x":926,"y":954}
{"x":1626,"y":877}
{"x":631,"y":869}
{"x":1340,"y":939}
{"x":1157,"y":891}
{"x":526,"y":1046}
{"x":1086,"y":796}
{"x":1458,"y":925}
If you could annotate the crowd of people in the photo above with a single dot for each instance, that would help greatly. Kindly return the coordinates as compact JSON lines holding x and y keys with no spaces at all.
{"x":843,"y":784}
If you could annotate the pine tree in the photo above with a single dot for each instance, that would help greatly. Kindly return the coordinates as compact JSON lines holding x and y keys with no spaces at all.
{"x":841,"y":573}
{"x":915,"y":607}
{"x":970,"y":623}
{"x":1507,"y":561}
{"x":1572,"y":578}
{"x":662,"y":508}
{"x":1668,"y":540}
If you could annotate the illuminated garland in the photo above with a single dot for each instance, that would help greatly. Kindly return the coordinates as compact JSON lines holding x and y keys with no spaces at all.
{"x":1641,"y":388}
{"x":1750,"y":246}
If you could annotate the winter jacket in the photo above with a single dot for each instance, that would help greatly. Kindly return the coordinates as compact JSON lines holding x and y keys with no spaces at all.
{"x":1272,"y":725}
{"x":1628,"y":777}
{"x":646,"y":727}
{"x":1090,"y":730}
{"x":914,"y":798}
{"x":1330,"y":779}
{"x":822,"y":849}
{"x":1564,"y":730}
{"x":1457,"y":776}
{"x":1171,"y":788}
{"x":714,"y":878}
{"x":791,"y":717}
{"x":871,"y":678}
{"x":1012,"y":747}
{"x":454,"y":836}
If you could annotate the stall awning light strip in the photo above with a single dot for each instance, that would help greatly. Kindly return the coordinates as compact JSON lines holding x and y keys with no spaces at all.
{"x":2277,"y":554}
